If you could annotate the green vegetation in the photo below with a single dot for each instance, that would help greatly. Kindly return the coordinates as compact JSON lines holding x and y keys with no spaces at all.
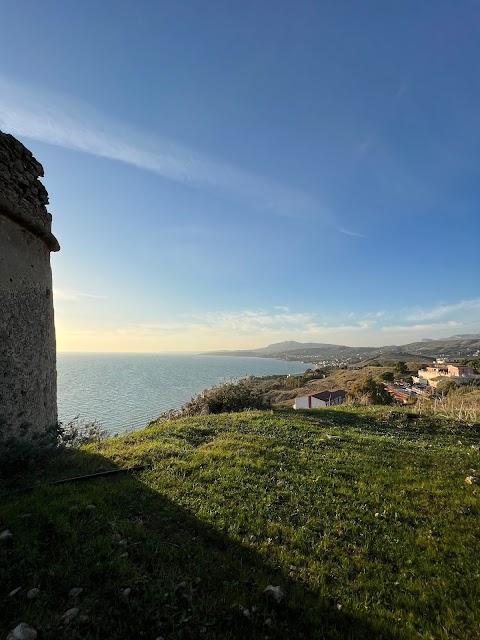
{"x":475,"y":364}
{"x":297,"y":382}
{"x":18,"y":452}
{"x":361,"y":516}
{"x":231,"y":397}
{"x":461,"y":403}
{"x":387,"y":376}
{"x":456,"y":347}
{"x":401,"y":368}
{"x":367,"y":391}
{"x":280,"y":391}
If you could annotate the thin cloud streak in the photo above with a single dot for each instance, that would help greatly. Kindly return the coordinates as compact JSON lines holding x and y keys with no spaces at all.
{"x":251,"y":328}
{"x":59,"y":120}
{"x":401,"y":91}
{"x":412,"y":328}
{"x":255,"y":323}
{"x":441,"y":311}
{"x":347,"y":232}
{"x":67,"y":295}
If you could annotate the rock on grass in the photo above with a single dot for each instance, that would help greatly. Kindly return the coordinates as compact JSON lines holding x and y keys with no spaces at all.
{"x":274,"y":594}
{"x":69,"y":615}
{"x":23,"y":631}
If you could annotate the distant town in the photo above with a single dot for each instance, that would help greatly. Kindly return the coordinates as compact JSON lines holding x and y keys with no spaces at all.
{"x":453,"y":349}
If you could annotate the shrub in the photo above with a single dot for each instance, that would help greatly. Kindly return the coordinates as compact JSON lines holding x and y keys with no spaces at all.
{"x":401,"y":367}
{"x":367,"y":391}
{"x":19,"y":453}
{"x":462,"y":403}
{"x":387,"y":376}
{"x":228,"y":398}
{"x":77,"y":433}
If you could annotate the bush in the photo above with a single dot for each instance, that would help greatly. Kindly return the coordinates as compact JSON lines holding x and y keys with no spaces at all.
{"x":387,"y":376}
{"x":228,"y":398}
{"x":231,"y":397}
{"x":19,"y":453}
{"x":401,"y":367}
{"x":367,"y":391}
{"x":78,"y":433}
{"x":295,"y":382}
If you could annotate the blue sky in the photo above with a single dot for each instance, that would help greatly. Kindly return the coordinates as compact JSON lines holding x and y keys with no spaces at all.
{"x":229,"y":174}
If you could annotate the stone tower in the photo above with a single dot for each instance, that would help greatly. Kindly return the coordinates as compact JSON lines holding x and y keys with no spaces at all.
{"x":28,"y":375}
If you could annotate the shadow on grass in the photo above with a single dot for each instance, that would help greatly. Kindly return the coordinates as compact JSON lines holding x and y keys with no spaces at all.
{"x":187,"y":579}
{"x":383,"y":422}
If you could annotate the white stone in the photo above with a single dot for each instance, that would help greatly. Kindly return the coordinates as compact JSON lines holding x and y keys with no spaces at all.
{"x":69,"y":615}
{"x":274,"y":593}
{"x":23,"y":631}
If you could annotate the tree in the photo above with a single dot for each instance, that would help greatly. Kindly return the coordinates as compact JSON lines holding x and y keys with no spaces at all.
{"x":227,"y":398}
{"x":367,"y":391}
{"x":449,"y":386}
{"x":387,"y":376}
{"x":401,"y":367}
{"x":475,"y":364}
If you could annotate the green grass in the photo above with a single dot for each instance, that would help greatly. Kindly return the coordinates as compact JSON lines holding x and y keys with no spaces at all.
{"x":373,"y":535}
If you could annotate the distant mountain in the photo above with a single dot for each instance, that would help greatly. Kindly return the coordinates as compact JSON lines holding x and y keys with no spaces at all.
{"x":291,"y":345}
{"x":334,"y":354}
{"x":460,"y":336}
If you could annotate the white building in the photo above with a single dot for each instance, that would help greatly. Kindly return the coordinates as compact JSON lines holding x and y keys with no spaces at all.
{"x":321,"y":399}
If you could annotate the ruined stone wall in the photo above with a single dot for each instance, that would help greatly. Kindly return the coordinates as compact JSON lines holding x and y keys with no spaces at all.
{"x":28,"y":378}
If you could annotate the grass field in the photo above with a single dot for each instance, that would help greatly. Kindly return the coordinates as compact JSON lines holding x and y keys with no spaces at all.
{"x":372,"y":533}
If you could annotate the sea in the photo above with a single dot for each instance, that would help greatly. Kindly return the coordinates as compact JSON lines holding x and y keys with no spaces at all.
{"x":124,"y":392}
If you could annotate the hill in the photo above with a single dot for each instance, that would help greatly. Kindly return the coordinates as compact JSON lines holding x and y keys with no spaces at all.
{"x":291,"y":345}
{"x":456,"y":347}
{"x":326,"y":524}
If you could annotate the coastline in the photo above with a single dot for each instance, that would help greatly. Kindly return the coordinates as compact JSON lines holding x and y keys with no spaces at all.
{"x":126,"y":391}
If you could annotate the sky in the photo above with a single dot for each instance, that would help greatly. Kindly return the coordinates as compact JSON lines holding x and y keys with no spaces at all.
{"x":226,"y":175}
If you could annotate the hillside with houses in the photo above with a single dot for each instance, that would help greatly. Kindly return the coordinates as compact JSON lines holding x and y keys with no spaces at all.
{"x":452,"y":349}
{"x":397,"y":383}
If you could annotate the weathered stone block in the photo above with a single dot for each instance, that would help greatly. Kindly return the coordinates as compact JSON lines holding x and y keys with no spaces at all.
{"x":28,"y":385}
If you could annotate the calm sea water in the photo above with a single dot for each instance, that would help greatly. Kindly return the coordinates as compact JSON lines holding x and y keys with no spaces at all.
{"x":125,"y":391}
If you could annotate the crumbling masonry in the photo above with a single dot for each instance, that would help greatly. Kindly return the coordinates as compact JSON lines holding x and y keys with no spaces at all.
{"x":28,"y":377}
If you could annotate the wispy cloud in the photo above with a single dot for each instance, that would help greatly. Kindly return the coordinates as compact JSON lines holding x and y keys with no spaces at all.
{"x":441,"y":311}
{"x":348,"y":232}
{"x":365,"y":145}
{"x":421,"y":328}
{"x":401,"y":91}
{"x":251,"y":328}
{"x":68,"y":295}
{"x":59,"y":120}
{"x":254,"y":323}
